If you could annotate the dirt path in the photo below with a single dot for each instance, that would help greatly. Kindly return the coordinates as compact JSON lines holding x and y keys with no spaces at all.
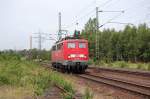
{"x":52,"y":93}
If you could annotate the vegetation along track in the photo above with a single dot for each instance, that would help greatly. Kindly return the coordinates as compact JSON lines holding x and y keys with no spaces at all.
{"x":122,"y":84}
{"x":58,"y":88}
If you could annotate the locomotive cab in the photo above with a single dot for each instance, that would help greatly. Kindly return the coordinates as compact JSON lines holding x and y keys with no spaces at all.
{"x":71,"y":54}
{"x":76,"y":54}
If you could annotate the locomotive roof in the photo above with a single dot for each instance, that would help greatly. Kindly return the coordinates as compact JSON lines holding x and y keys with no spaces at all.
{"x":72,"y":40}
{"x":75,"y":40}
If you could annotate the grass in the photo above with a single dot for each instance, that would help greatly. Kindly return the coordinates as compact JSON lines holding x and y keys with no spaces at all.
{"x":129,"y":65}
{"x":24,"y":74}
{"x":58,"y":80}
{"x":149,"y":66}
{"x":88,"y":94}
{"x":9,"y":92}
{"x":22,"y":77}
{"x":123,"y":64}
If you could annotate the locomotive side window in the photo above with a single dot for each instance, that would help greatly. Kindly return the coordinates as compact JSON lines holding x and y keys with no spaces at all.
{"x":71,"y":45}
{"x":82,"y":45}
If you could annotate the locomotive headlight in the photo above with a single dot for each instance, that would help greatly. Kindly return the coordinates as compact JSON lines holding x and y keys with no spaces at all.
{"x":72,"y":56}
{"x":82,"y":56}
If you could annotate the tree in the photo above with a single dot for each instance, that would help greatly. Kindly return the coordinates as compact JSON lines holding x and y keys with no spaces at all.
{"x":130,"y":44}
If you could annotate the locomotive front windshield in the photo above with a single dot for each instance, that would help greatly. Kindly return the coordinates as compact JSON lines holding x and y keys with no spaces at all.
{"x":82,"y":45}
{"x":71,"y":45}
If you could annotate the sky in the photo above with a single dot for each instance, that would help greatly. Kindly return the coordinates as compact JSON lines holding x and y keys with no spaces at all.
{"x":19,"y":19}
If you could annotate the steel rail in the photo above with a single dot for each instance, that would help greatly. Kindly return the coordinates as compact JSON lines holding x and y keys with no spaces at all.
{"x":143,"y":89}
{"x":119,"y":70}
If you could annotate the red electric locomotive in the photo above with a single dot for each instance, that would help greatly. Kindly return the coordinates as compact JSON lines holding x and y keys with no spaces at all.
{"x":70,"y":54}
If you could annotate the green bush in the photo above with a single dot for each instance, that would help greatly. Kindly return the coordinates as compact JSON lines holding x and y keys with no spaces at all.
{"x":90,"y":62}
{"x":121,"y":64}
{"x":142,"y":66}
{"x":139,"y":66}
{"x":9,"y":56}
{"x":102,"y":62}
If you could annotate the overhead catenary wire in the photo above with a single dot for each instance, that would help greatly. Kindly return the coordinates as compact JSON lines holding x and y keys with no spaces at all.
{"x":111,"y":3}
{"x":116,"y":16}
{"x":112,"y":11}
{"x":94,"y":9}
{"x":102,"y":5}
{"x":77,"y":20}
{"x":85,"y":8}
{"x":122,"y":23}
{"x":81,"y":13}
{"x":87,"y":14}
{"x":131,"y":8}
{"x":105,"y":3}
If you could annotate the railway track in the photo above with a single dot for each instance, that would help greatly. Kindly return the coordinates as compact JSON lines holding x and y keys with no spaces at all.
{"x":125,"y":71}
{"x":58,"y":88}
{"x":122,"y":84}
{"x":57,"y":92}
{"x":53,"y":93}
{"x":123,"y":79}
{"x":136,"y":77}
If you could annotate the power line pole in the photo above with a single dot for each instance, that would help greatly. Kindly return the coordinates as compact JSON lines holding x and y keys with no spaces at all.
{"x":97,"y":35}
{"x":42,"y":37}
{"x":30,"y":42}
{"x":40,"y":41}
{"x":39,"y":37}
{"x":59,"y":23}
{"x":60,"y":30}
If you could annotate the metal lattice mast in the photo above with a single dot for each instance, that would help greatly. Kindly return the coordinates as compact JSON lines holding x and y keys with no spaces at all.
{"x":39,"y":37}
{"x":97,"y":35}
{"x":40,"y":41}
{"x":60,"y":30}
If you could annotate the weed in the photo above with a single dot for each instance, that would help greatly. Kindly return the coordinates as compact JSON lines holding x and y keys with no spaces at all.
{"x":58,"y":79}
{"x":148,"y":66}
{"x":139,"y":66}
{"x":88,"y":94}
{"x":68,"y":96}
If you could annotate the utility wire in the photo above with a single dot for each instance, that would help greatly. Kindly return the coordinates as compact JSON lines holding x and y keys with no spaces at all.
{"x":94,"y":9}
{"x":112,"y":11}
{"x":87,"y":14}
{"x":131,"y":7}
{"x":77,"y":20}
{"x":118,"y":15}
{"x":122,"y":23}
{"x":94,"y":1}
{"x":108,"y":5}
{"x":91,"y":12}
{"x":105,"y":3}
